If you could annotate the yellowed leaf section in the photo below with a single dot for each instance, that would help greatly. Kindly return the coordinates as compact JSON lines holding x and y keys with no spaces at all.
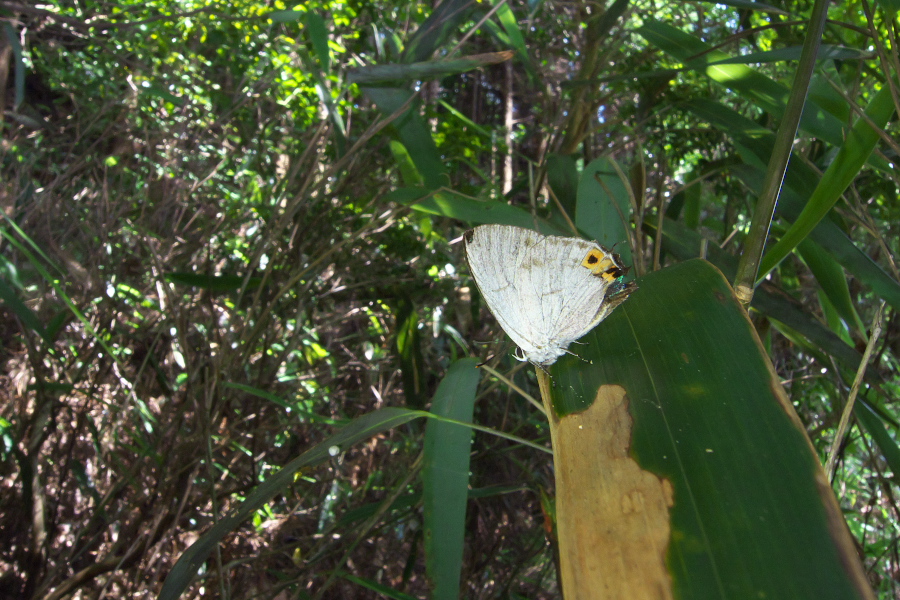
{"x":612,"y":517}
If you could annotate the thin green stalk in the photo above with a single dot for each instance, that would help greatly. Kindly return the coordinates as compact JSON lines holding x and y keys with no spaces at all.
{"x":748,"y":266}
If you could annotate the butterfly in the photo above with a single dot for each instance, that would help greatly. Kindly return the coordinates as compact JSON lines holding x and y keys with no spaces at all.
{"x":545,"y":291}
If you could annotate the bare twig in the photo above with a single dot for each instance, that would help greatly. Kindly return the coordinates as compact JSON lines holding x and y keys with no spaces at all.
{"x":854,"y":390}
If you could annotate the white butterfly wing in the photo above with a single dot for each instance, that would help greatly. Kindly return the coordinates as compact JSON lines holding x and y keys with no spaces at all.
{"x":539,"y":287}
{"x":570,"y":296}
{"x":497,"y":255}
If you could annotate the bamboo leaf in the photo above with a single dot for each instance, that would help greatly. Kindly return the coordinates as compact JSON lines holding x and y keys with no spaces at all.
{"x":447,"y":203}
{"x":422,"y":71}
{"x":604,"y":206}
{"x":752,"y":515}
{"x":445,"y":476}
{"x":412,"y":132}
{"x":832,"y":282}
{"x":768,"y":299}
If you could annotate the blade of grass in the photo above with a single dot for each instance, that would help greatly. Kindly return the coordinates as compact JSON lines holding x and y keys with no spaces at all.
{"x":445,"y":477}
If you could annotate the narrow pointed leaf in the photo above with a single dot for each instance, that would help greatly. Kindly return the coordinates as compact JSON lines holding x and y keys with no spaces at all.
{"x":445,"y":476}
{"x":850,"y":159}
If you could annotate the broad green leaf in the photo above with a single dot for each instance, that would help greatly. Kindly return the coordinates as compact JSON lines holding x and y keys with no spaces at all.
{"x":408,"y":345}
{"x":360,"y":429}
{"x":470,"y":125}
{"x":447,"y":203}
{"x":511,"y":26}
{"x":382,"y":590}
{"x":320,"y":69}
{"x":55,"y":324}
{"x":891,"y":6}
{"x":318,"y":36}
{"x":753,"y":141}
{"x":408,"y":171}
{"x":26,"y":315}
{"x":776,"y":304}
{"x":747,"y":5}
{"x":823,"y":93}
{"x":692,"y":199}
{"x":874,"y":424}
{"x":412,"y":131}
{"x":16,"y":236}
{"x":857,"y":263}
{"x":563,"y":175}
{"x":445,"y":477}
{"x":604,"y":207}
{"x":285,"y":16}
{"x":443,"y":21}
{"x":825,"y":51}
{"x":421,"y":71}
{"x":832,"y":318}
{"x":752,"y":515}
{"x":155,"y":90}
{"x":12,"y":41}
{"x":512,"y":35}
{"x":354,"y":515}
{"x":278,"y":400}
{"x":832,"y":282}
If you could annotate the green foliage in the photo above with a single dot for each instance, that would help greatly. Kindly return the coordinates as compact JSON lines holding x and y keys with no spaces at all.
{"x":230,"y":229}
{"x":709,"y":418}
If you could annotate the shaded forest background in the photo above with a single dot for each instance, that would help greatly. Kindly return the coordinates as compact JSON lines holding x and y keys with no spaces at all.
{"x":220,"y":242}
